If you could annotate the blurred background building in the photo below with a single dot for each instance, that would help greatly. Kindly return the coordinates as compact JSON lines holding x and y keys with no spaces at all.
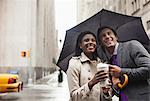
{"x":28,"y":42}
{"x":140,"y":8}
{"x":28,"y":37}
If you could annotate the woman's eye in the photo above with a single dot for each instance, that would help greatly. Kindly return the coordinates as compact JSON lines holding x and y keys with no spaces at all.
{"x":86,"y":40}
{"x":93,"y":40}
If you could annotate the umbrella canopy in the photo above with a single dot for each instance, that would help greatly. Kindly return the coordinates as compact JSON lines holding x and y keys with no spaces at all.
{"x":127,"y":28}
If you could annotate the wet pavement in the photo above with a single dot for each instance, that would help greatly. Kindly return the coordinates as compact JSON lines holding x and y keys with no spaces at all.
{"x":46,"y":89}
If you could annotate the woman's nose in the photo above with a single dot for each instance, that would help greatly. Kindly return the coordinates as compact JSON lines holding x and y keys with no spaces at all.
{"x":90,"y":41}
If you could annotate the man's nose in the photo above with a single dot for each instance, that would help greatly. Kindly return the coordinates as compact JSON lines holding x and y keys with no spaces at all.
{"x":107,"y":36}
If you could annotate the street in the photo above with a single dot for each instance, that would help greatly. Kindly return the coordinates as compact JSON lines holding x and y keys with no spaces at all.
{"x":46,"y":89}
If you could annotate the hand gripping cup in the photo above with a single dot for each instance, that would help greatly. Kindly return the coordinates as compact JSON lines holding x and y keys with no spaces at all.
{"x":105,"y":67}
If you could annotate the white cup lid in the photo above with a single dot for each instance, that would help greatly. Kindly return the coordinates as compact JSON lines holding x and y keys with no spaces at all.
{"x":102,"y":65}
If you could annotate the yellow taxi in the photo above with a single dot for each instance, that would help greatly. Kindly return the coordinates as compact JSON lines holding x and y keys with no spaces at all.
{"x":10,"y":83}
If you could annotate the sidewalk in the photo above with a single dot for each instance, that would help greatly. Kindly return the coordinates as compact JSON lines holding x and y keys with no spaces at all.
{"x":59,"y":91}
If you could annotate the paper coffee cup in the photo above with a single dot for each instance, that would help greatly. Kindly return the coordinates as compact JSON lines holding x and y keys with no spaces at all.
{"x":105,"y":67}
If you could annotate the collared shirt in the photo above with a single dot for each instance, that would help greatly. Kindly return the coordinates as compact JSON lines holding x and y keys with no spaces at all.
{"x":114,"y":53}
{"x":116,"y":48}
{"x":115,"y":98}
{"x":80,"y":71}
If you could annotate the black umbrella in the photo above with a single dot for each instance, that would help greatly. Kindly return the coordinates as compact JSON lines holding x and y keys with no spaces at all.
{"x":127,"y":27}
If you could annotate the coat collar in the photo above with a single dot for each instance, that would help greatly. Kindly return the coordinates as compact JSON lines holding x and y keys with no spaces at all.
{"x":119,"y":54}
{"x":84,"y":58}
{"x":118,"y":50}
{"x":115,"y":51}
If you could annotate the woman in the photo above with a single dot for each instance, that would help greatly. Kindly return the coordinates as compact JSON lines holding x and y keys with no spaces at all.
{"x":83,"y":77}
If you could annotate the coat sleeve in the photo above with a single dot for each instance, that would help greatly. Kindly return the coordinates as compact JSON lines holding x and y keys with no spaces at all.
{"x":77,"y":92}
{"x":141,"y":59}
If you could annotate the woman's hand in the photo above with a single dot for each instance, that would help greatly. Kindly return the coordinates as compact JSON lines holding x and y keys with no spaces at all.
{"x":106,"y":90}
{"x":98,"y":77}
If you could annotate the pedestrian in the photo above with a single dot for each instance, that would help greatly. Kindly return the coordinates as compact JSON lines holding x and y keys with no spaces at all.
{"x":83,"y":77}
{"x":60,"y":76}
{"x":129,"y":58}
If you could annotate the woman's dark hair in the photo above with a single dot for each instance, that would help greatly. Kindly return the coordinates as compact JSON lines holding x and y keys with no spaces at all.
{"x":101,"y":29}
{"x":78,"y":50}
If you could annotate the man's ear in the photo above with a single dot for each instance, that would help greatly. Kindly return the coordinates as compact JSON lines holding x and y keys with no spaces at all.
{"x":117,"y":38}
{"x":100,"y":43}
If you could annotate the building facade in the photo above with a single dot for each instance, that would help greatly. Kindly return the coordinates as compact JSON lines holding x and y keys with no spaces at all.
{"x":28,"y":26}
{"x":140,"y":8}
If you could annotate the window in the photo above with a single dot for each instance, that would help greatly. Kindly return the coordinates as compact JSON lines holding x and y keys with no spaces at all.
{"x":145,"y":2}
{"x":119,"y":5}
{"x":148,"y":24}
{"x":114,"y":8}
{"x":135,"y":5}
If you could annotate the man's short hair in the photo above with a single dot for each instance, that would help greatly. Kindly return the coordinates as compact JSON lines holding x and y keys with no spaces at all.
{"x":101,"y":29}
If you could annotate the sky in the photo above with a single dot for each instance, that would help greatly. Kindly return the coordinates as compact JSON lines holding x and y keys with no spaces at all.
{"x":65,"y":13}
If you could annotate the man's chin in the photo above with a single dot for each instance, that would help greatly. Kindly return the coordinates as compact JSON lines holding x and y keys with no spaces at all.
{"x":110,"y":46}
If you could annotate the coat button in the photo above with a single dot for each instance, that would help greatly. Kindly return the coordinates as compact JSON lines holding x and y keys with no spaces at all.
{"x":89,"y":78}
{"x":89,"y":70}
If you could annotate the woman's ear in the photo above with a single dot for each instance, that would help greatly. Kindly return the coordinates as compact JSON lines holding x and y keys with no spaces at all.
{"x":80,"y":46}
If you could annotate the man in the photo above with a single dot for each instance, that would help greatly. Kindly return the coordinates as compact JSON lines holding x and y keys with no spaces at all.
{"x":131,"y":59}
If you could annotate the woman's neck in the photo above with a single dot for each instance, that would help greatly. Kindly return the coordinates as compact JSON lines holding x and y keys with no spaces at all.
{"x":90,"y":56}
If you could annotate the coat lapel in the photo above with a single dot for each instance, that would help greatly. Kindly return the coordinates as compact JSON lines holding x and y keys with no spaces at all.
{"x":119,"y":54}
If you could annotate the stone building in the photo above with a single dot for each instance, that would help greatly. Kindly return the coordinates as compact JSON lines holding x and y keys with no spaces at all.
{"x":140,"y":8}
{"x":28,"y":26}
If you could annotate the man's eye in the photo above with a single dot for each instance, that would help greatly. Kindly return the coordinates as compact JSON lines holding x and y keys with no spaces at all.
{"x":109,"y":33}
{"x":104,"y":35}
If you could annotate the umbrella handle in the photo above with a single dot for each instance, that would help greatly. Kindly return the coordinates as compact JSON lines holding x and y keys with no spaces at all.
{"x":125,"y":81}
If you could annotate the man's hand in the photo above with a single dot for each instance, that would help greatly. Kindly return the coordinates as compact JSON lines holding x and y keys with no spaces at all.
{"x":115,"y":70}
{"x":115,"y":82}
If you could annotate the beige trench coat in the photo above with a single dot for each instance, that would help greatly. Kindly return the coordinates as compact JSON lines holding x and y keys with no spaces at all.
{"x":80,"y":71}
